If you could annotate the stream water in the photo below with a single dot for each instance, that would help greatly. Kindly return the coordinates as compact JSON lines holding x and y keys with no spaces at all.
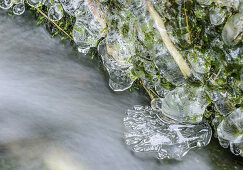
{"x":58,"y":113}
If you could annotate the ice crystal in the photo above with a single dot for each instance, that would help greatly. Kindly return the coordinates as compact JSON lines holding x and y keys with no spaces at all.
{"x":55,"y":12}
{"x":230,"y":132}
{"x":120,"y":77}
{"x":183,"y":104}
{"x":169,"y":139}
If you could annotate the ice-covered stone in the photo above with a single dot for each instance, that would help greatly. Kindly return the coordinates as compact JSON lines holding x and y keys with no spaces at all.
{"x":145,"y":132}
{"x":55,"y":12}
{"x":230,"y":132}
{"x":184,"y":104}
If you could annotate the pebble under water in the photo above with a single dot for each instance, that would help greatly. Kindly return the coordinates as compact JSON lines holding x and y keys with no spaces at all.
{"x":57,"y":112}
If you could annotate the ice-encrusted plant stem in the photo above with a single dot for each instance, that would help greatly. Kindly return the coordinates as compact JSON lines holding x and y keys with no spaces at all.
{"x":186,"y":71}
{"x":42,"y":13}
{"x":102,"y":19}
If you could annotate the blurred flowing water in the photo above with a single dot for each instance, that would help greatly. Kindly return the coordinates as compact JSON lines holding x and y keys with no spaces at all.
{"x":58,"y":113}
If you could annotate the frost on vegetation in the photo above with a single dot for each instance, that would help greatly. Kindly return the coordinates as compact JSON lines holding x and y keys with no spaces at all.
{"x":187,"y":54}
{"x":145,"y":132}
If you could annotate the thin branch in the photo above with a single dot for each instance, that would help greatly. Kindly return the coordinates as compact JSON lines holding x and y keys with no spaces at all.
{"x":148,"y":92}
{"x":42,"y":13}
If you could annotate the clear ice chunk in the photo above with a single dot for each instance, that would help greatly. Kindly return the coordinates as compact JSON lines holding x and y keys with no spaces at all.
{"x":232,"y":31}
{"x":55,"y":12}
{"x":221,"y":102}
{"x":183,"y":104}
{"x":230,"y":132}
{"x":145,"y":132}
{"x":19,"y":8}
{"x":228,"y":3}
{"x":71,"y":6}
{"x":121,"y":35}
{"x":217,"y":15}
{"x":167,"y":66}
{"x":86,"y":30}
{"x":35,"y":3}
{"x":6,"y":4}
{"x":120,"y":77}
{"x":17,"y":1}
{"x":204,"y":2}
{"x":197,"y":61}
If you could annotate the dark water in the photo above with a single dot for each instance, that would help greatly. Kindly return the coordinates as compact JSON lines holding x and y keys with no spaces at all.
{"x":57,"y":112}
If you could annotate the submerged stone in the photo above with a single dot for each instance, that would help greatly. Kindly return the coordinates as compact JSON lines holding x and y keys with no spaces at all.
{"x":147,"y":133}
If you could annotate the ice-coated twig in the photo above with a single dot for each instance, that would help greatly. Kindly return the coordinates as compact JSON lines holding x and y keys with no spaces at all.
{"x":186,"y":71}
{"x":42,"y":13}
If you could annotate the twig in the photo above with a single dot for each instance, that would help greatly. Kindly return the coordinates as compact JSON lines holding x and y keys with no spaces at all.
{"x":42,"y":13}
{"x":186,"y":71}
{"x":187,"y":22}
{"x":149,"y":93}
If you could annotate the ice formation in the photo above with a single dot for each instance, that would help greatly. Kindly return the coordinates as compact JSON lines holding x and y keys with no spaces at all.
{"x":230,"y":132}
{"x":169,"y":139}
{"x":135,"y":42}
{"x":120,"y":74}
{"x":183,"y":104}
{"x":55,"y":12}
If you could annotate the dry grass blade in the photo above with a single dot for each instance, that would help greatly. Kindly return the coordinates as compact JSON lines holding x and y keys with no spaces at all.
{"x":187,"y":22}
{"x":185,"y":69}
